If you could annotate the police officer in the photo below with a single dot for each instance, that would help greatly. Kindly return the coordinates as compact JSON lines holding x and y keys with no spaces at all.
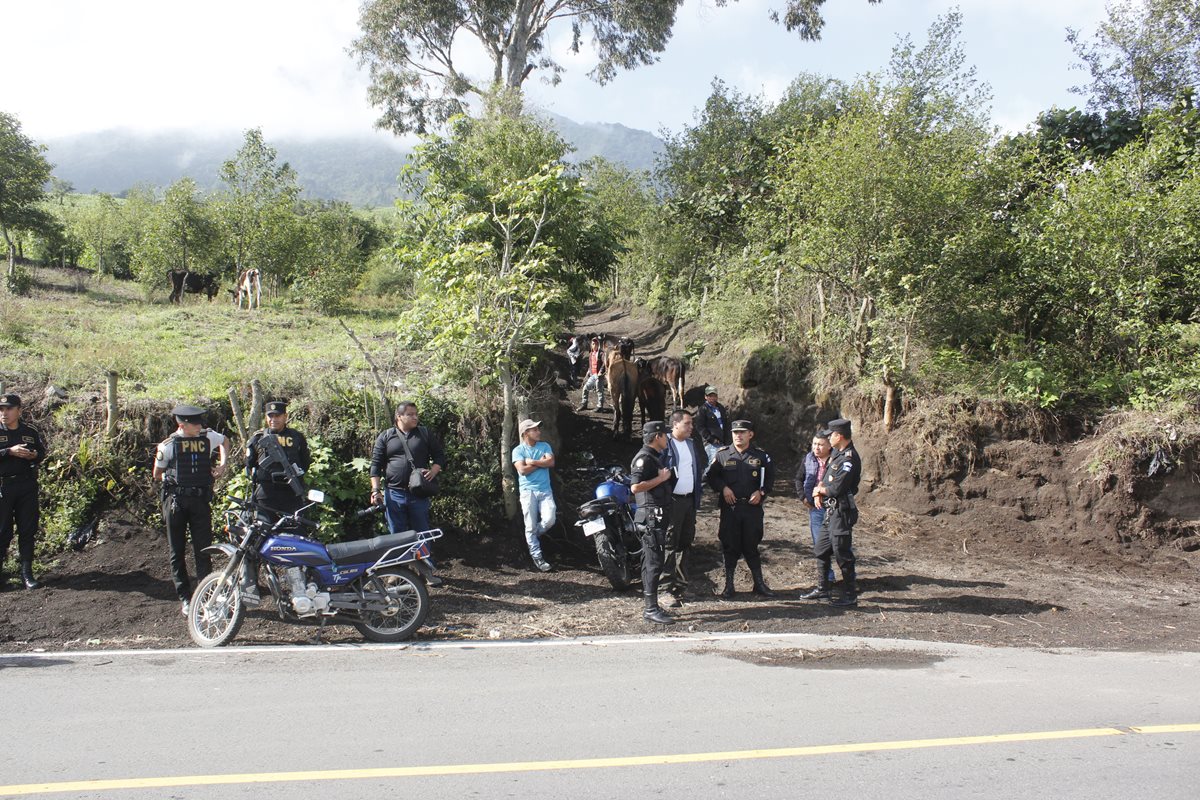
{"x":187,"y":462}
{"x":836,"y":495}
{"x":271,"y":486}
{"x":21,"y":451}
{"x":651,"y":485}
{"x":742,"y":477}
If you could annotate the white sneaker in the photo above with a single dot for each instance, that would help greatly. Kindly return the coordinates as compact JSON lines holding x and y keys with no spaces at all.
{"x":185,"y":607}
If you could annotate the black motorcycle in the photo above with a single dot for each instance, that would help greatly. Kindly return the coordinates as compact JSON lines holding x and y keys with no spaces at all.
{"x":608,"y":522}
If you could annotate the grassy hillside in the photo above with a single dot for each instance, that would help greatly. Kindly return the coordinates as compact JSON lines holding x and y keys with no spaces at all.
{"x":73,"y":329}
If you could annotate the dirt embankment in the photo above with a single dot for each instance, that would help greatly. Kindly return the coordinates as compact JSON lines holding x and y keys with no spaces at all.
{"x":979,"y":525}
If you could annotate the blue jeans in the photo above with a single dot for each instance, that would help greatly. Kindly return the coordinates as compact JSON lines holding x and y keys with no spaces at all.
{"x":405,"y":512}
{"x":539,"y":512}
{"x":816,"y":516}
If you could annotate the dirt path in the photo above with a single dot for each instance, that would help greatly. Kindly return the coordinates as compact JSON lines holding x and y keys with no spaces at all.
{"x":922,"y":577}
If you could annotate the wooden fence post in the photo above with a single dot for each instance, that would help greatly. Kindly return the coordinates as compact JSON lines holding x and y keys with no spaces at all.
{"x":236,"y":406}
{"x":256,"y":406}
{"x":111,"y":380}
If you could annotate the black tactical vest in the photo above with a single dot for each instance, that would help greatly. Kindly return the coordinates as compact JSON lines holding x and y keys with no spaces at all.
{"x":192,"y":462}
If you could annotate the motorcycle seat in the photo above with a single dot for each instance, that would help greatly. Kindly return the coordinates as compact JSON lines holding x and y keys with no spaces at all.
{"x":366,"y":550}
{"x":596,"y":508}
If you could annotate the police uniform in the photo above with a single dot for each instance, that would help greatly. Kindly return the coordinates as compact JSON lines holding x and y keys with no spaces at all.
{"x":651,"y":517}
{"x":186,"y":465}
{"x":741,"y":526}
{"x":19,"y":492}
{"x":835,"y":539}
{"x":271,"y":485}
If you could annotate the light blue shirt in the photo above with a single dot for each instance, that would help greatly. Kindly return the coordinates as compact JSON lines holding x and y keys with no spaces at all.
{"x":539,"y":479}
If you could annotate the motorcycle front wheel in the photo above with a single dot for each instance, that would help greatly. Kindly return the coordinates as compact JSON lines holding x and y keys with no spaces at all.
{"x":216,"y":612}
{"x":408,"y":605}
{"x":612,"y":559}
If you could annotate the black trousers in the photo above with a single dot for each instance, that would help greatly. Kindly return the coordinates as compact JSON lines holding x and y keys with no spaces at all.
{"x":681,"y":533}
{"x":19,"y":512}
{"x":835,"y":540}
{"x":184,"y":515}
{"x":740,"y":532}
{"x":654,"y":537}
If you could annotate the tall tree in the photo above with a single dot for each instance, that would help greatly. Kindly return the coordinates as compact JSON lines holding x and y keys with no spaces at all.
{"x":24,"y":172}
{"x":1142,"y":56}
{"x":502,"y":247}
{"x":258,"y":209}
{"x":409,"y":48}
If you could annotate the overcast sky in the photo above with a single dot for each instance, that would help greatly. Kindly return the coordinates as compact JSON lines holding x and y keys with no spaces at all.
{"x":74,"y":66}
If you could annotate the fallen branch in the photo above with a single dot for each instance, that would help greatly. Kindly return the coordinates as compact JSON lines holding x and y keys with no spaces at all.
{"x":965,"y":550}
{"x":997,"y":619}
{"x":543,"y":630}
{"x":1031,"y":622}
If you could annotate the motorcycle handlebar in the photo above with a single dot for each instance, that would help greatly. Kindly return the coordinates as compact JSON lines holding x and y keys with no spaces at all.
{"x":307,"y":523}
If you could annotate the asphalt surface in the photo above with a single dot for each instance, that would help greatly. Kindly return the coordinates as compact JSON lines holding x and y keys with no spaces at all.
{"x":730,"y":716}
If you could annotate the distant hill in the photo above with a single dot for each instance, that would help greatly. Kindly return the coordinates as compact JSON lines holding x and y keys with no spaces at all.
{"x":361,"y":171}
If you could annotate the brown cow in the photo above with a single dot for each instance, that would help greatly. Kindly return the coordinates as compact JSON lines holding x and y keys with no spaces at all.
{"x":622,"y":386}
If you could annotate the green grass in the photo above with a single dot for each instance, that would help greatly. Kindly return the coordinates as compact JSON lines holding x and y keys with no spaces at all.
{"x":71,"y":331}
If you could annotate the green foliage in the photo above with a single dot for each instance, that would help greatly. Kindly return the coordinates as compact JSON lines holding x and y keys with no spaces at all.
{"x":74,"y":485}
{"x":501,"y":250}
{"x":18,"y":281}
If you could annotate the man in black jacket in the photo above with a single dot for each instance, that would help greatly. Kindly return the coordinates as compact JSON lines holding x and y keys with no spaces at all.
{"x":650,"y":484}
{"x":21,"y":451}
{"x":391,"y":469}
{"x":712,"y":423}
{"x":836,"y":494}
{"x":742,"y":477}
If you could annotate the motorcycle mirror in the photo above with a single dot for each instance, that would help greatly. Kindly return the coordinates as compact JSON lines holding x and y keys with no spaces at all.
{"x":316,"y":495}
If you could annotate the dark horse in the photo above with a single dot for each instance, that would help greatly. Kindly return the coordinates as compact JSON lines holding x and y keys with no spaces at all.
{"x":671,"y":372}
{"x":651,"y":393}
{"x":622,"y":386}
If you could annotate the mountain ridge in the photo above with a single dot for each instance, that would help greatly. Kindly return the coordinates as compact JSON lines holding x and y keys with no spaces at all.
{"x":360,"y":170}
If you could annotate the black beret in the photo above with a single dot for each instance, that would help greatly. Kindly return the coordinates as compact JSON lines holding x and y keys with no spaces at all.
{"x":652,"y":429}
{"x":839,"y":425}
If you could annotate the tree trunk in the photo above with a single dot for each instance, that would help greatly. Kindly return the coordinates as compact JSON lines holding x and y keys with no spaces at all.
{"x":110,"y":431}
{"x":517,"y":52}
{"x":508,"y":439}
{"x":256,"y":406}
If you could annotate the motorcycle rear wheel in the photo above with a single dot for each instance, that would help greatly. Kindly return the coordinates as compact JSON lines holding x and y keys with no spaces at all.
{"x":216,"y":612}
{"x":411,"y":606}
{"x":613,"y":562}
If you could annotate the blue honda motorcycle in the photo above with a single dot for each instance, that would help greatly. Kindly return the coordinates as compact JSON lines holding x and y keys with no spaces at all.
{"x":608,"y":522}
{"x":365,"y":583}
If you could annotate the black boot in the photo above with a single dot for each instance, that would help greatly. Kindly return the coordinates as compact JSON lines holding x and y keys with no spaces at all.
{"x":822,"y":590}
{"x":655,"y":614}
{"x":760,"y":586}
{"x":849,"y":595}
{"x":27,"y":576}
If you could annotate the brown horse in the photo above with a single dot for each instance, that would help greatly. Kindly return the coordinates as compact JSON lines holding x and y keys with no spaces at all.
{"x":671,"y":372}
{"x":651,"y":393}
{"x":622,"y":386}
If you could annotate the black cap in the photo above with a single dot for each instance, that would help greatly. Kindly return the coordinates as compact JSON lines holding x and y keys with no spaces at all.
{"x":839,"y":425}
{"x":186,"y":413}
{"x":276,"y":407}
{"x":652,"y":429}
{"x":823,"y":433}
{"x":743,"y":425}
{"x":10,"y":400}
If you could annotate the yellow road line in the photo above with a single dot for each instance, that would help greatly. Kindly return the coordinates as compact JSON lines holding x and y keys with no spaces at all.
{"x":581,"y":763}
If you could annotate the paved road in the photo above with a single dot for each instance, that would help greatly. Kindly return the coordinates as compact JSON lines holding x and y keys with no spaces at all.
{"x":735,"y":716}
